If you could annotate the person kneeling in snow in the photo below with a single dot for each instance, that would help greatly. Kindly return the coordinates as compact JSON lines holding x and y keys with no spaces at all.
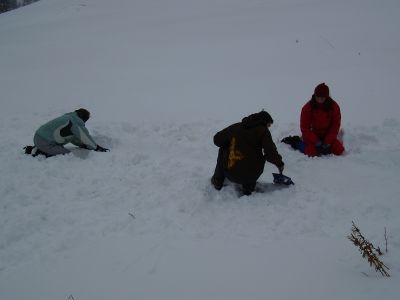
{"x":51,"y":137}
{"x":320,"y":124}
{"x":243,"y":149}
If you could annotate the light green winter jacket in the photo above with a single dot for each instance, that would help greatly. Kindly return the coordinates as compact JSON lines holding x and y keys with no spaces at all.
{"x":68,"y":128}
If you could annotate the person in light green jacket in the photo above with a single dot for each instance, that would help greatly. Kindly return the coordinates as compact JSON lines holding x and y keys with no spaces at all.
{"x":51,"y":137}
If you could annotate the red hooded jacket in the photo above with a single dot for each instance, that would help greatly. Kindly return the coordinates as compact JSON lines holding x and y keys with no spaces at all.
{"x":320,"y":122}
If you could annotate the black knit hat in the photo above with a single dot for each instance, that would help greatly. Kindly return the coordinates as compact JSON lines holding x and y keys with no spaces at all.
{"x":257,"y":119}
{"x":83,"y":114}
{"x":266,"y":117}
{"x":321,"y":90}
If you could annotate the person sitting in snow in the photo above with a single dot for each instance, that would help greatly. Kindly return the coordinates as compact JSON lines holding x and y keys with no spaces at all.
{"x":51,"y":137}
{"x":243,"y":149}
{"x":320,"y":124}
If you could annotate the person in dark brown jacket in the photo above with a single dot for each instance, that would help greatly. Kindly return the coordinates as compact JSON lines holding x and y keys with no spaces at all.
{"x":243,"y":149}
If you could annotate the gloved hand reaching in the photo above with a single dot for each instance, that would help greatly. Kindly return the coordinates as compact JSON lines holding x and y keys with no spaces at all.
{"x":323,"y":149}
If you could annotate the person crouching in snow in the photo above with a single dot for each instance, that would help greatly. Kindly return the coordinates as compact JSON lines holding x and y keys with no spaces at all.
{"x":320,"y":124}
{"x":243,"y":149}
{"x":51,"y":137}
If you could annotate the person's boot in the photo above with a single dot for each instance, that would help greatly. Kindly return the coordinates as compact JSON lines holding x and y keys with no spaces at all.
{"x":217,"y":183}
{"x":247,"y":189}
{"x":28,"y":149}
{"x":34,"y":151}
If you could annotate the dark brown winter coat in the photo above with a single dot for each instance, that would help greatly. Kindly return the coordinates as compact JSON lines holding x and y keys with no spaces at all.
{"x":247,"y":145}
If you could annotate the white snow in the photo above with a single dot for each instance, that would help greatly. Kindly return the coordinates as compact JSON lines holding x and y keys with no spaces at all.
{"x":160,"y":78}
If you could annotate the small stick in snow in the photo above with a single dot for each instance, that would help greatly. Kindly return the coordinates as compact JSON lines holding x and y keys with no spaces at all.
{"x":386,"y":241}
{"x":327,"y":41}
{"x":132,"y":215}
{"x":71,"y":297}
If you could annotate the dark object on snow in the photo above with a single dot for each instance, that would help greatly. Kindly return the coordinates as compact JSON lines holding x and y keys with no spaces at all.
{"x":282,"y":179}
{"x":293,"y":141}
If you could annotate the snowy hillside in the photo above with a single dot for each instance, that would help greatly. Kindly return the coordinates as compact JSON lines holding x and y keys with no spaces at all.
{"x":160,"y":78}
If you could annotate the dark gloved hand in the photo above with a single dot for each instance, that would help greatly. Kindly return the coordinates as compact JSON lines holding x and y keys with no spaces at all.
{"x":101,"y":149}
{"x":324,"y":149}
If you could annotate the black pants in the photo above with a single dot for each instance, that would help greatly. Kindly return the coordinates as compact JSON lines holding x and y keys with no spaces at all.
{"x":220,"y":174}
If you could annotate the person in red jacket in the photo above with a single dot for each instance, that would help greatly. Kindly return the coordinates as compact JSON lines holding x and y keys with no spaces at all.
{"x":320,"y":123}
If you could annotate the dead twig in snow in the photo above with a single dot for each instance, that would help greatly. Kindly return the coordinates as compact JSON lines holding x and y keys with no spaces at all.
{"x":368,"y":251}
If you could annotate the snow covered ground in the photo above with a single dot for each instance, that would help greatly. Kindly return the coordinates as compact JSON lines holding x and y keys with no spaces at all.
{"x":160,"y":78}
